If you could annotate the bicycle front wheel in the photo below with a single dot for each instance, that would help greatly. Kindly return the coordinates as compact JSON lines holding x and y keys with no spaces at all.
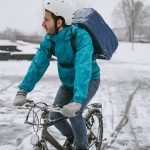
{"x":94,"y":124}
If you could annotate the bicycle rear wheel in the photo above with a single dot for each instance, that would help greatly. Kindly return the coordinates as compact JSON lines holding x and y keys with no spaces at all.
{"x":94,"y":124}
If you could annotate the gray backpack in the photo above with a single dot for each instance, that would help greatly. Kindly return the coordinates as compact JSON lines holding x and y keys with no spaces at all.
{"x":104,"y":40}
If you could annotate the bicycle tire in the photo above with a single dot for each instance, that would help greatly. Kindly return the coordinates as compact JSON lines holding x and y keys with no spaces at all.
{"x":40,"y":147}
{"x":95,"y":113}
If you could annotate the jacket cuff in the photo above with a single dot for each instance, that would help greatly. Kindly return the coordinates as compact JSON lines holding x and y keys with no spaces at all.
{"x":22,"y":93}
{"x":78,"y":100}
{"x":22,"y":89}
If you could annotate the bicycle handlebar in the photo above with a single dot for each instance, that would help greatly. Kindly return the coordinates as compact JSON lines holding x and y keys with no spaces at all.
{"x":30,"y":104}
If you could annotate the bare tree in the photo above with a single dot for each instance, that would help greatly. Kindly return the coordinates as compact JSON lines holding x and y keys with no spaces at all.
{"x":14,"y":34}
{"x":130,"y":14}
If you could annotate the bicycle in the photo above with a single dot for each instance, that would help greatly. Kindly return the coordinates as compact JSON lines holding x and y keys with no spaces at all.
{"x":38,"y":117}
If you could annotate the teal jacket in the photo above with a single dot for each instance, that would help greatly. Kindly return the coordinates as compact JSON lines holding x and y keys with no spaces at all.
{"x":75,"y":69}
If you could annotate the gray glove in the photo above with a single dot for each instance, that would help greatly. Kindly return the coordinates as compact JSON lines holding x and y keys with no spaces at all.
{"x":20,"y":98}
{"x":70,"y":109}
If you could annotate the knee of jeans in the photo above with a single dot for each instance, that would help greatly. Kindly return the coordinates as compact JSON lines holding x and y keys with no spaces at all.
{"x":54,"y":115}
{"x":77,"y":117}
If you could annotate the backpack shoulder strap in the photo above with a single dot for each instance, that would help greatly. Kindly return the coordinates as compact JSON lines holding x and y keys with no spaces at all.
{"x":52,"y":48}
{"x":73,"y":43}
{"x":74,"y":47}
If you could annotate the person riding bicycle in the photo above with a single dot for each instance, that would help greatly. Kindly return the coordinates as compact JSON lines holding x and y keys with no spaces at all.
{"x":78,"y":72}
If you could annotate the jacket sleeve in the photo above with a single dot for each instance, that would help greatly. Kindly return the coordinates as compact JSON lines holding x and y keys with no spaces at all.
{"x":83,"y":66}
{"x":37,"y":68}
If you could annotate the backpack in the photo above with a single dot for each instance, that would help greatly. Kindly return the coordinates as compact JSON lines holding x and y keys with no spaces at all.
{"x":104,"y":40}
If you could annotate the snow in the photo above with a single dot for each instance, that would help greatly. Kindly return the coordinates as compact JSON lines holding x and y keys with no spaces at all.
{"x":124,"y":93}
{"x":1,"y":51}
{"x":139,"y":55}
{"x":6,"y":42}
{"x":26,"y":47}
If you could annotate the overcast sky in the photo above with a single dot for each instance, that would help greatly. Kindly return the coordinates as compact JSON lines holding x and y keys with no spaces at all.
{"x":26,"y":15}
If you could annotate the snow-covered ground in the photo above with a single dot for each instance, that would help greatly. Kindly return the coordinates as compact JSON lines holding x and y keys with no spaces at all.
{"x":24,"y":47}
{"x":124,"y":94}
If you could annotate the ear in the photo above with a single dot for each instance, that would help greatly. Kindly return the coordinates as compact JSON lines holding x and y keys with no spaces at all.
{"x":59,"y":23}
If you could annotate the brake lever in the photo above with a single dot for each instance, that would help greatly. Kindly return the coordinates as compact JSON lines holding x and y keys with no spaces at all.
{"x":56,"y":109}
{"x":29,"y":101}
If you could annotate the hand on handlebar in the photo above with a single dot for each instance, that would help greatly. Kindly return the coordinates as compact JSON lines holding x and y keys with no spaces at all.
{"x":20,"y":98}
{"x":71,"y":109}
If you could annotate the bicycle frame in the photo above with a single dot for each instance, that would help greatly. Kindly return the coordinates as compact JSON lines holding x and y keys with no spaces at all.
{"x":48,"y":137}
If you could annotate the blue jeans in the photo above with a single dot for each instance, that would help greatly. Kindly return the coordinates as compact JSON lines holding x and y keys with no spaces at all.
{"x":77,"y":128}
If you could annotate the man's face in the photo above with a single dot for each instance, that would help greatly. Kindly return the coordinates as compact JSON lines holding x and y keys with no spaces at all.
{"x":48,"y":23}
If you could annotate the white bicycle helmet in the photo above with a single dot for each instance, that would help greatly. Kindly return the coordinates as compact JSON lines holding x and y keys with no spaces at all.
{"x":61,"y":8}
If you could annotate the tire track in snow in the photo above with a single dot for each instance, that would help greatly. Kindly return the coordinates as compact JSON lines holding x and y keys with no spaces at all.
{"x":129,"y":120}
{"x":123,"y":121}
{"x":8,"y":86}
{"x":112,"y":109}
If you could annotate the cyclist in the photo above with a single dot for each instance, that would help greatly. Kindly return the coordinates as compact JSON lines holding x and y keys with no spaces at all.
{"x":78,"y":72}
